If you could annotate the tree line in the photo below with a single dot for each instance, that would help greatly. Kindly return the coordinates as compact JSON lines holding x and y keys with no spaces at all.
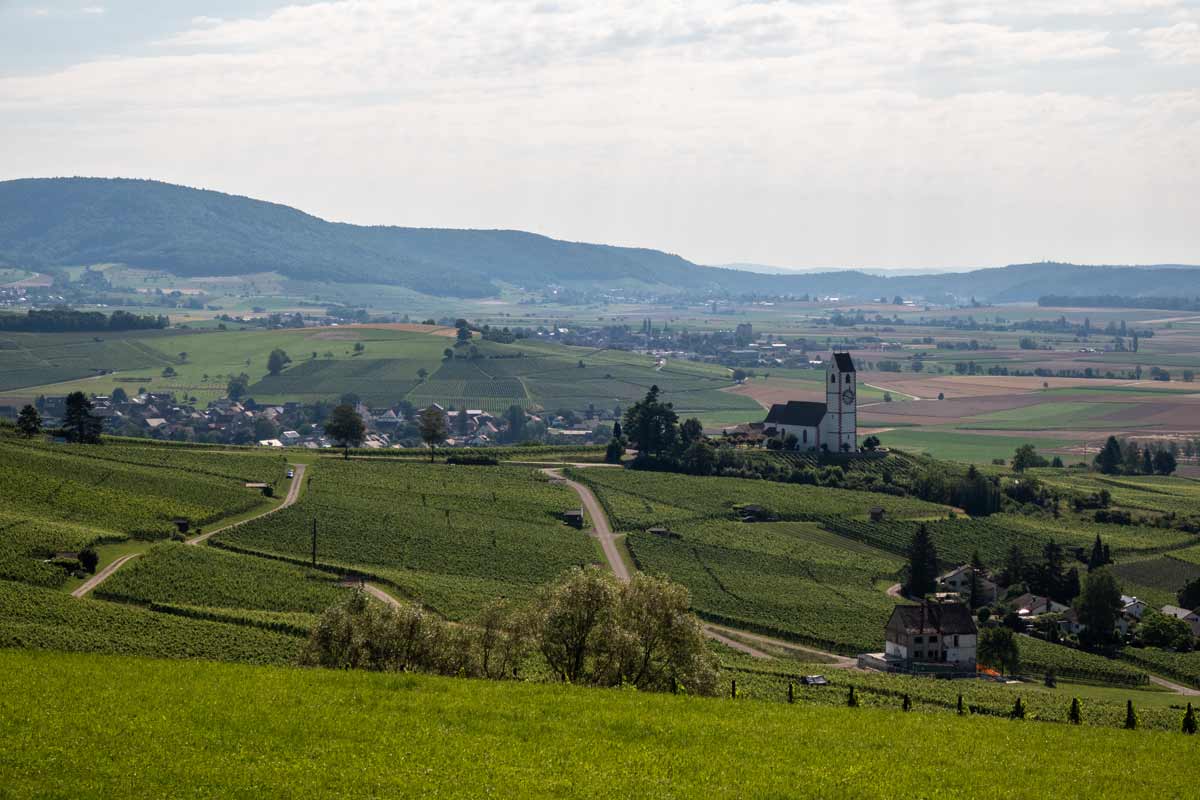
{"x":60,"y":320}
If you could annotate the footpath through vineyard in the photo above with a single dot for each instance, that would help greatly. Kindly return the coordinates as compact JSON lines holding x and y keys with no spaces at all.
{"x":730,"y":637}
{"x":106,"y":573}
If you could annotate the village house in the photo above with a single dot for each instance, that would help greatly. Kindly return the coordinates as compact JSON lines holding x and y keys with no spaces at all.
{"x":1190,"y":617}
{"x":1032,"y":605}
{"x":930,"y":635}
{"x":958,"y":580}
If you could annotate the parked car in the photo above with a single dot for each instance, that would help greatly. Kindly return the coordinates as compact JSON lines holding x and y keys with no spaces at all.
{"x":291,"y":473}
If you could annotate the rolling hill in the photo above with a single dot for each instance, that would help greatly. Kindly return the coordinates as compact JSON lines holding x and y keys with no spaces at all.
{"x":54,"y":222}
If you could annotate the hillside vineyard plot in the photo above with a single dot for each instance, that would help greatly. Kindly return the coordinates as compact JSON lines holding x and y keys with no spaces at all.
{"x":207,"y":577}
{"x":44,"y":619}
{"x":452,"y":537}
{"x":56,"y":498}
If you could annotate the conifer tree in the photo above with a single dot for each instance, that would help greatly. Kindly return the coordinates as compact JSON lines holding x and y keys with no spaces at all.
{"x":1074,"y":716}
{"x":1130,"y":717}
{"x":852,"y":699}
{"x":1189,"y":721}
{"x":960,"y":705}
{"x":922,"y":564}
{"x":907,"y":705}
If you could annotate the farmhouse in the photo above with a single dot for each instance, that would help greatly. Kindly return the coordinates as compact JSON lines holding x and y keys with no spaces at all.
{"x":831,"y":425}
{"x":931,"y":634}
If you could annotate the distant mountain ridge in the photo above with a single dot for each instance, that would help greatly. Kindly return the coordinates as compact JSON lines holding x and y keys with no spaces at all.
{"x":52,"y":222}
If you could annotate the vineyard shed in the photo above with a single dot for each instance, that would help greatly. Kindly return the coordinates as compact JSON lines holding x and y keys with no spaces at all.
{"x":573,"y":517}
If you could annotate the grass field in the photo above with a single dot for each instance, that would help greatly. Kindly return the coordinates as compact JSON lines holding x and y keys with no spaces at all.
{"x":205,"y":731}
{"x":975,"y":448}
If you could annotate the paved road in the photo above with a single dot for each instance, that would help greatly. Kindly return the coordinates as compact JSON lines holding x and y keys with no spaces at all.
{"x":292,"y":495}
{"x":101,"y":576}
{"x":600,"y":527}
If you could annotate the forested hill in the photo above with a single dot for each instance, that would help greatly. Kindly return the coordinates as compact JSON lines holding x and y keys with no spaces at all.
{"x":56,"y":222}
{"x":193,"y":232}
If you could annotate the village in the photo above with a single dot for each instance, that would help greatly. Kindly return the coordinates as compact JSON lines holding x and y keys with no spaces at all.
{"x":159,"y":415}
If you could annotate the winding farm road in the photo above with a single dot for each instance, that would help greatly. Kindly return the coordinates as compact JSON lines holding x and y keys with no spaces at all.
{"x":292,"y":495}
{"x":602,"y":530}
{"x":101,"y":576}
{"x":380,"y":594}
{"x":600,"y":527}
{"x":104,"y":574}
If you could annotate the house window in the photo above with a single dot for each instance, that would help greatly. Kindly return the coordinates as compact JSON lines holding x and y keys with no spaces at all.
{"x":932,"y":639}
{"x":806,"y":436}
{"x":918,"y":639}
{"x":956,"y":640}
{"x":833,"y":379}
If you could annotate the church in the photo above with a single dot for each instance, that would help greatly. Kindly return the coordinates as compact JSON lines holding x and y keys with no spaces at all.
{"x":831,"y":425}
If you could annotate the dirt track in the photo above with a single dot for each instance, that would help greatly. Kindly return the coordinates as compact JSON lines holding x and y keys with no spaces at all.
{"x":292,"y":495}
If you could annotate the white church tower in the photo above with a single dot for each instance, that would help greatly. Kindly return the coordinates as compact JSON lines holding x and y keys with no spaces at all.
{"x":839,"y":427}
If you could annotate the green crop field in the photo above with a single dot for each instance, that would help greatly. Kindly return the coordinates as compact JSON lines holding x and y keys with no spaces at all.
{"x":972,"y":448}
{"x":205,"y":730}
{"x":452,"y":537}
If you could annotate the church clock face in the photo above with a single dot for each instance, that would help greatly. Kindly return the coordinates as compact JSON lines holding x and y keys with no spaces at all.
{"x":848,"y":397}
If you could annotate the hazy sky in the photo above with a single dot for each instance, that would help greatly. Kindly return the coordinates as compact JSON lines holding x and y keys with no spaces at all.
{"x":811,"y":133}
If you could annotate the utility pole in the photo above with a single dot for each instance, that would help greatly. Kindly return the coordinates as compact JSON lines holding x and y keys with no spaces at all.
{"x":314,"y":540}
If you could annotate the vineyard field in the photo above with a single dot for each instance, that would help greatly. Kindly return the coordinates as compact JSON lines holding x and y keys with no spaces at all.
{"x":175,"y":573}
{"x":44,"y":619}
{"x":440,"y":533}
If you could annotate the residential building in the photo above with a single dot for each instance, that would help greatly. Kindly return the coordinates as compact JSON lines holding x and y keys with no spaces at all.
{"x":931,"y":634}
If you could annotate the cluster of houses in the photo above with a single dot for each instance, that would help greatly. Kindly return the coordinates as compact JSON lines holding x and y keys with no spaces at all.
{"x":940,"y":635}
{"x":158,"y":415}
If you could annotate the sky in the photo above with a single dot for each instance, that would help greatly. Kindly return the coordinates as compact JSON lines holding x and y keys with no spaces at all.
{"x":878,"y":133}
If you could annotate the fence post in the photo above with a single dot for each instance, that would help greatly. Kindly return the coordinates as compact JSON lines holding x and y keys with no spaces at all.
{"x":791,"y":692}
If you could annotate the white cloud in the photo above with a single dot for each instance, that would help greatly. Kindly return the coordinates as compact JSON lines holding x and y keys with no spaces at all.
{"x":1174,"y":44}
{"x":825,"y":132}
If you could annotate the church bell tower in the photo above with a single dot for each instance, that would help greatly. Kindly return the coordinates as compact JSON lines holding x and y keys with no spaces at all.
{"x":841,"y":405}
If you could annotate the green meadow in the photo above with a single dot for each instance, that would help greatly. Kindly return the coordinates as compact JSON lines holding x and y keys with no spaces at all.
{"x":88,"y":726}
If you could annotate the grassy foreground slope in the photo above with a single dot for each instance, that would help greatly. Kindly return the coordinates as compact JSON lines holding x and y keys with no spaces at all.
{"x":209,"y":730}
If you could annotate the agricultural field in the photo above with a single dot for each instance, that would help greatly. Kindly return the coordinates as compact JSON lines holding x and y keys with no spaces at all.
{"x":328,"y":362}
{"x":449,"y":536}
{"x":207,"y":577}
{"x":965,"y":446}
{"x":60,"y":498}
{"x":631,"y":744}
{"x":1102,"y":706}
{"x":44,"y":619}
